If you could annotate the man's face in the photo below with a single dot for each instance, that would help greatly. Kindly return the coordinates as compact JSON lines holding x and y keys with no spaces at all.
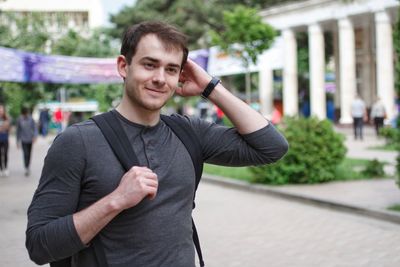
{"x":153,"y":75}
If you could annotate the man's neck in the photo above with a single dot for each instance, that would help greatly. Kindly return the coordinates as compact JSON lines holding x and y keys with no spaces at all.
{"x":138,"y":115}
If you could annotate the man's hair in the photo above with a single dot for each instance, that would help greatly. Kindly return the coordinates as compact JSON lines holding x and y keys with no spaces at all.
{"x":171,"y":37}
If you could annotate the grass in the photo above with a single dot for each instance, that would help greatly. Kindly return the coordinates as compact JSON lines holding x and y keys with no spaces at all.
{"x":348,"y":170}
{"x":394,"y":208}
{"x":386,"y":147}
{"x":240,"y":173}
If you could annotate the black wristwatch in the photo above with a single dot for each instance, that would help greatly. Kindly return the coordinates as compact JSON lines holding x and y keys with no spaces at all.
{"x":210,"y":87}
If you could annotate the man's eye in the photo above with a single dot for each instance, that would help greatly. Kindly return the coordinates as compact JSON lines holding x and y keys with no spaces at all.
{"x":149,"y":65}
{"x":172,"y":70}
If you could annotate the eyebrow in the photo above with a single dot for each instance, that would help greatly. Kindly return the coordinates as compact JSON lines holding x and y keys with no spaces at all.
{"x":154,"y":60}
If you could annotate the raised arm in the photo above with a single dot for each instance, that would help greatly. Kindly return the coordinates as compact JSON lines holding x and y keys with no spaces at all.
{"x":194,"y":79}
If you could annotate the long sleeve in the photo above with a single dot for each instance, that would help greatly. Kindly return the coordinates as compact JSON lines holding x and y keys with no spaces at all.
{"x":51,"y":233}
{"x":225,"y":146}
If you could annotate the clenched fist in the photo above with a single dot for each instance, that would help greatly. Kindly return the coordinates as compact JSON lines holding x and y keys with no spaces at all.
{"x":135,"y":185}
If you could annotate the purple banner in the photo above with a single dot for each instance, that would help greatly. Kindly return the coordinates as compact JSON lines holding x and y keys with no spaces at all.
{"x":12,"y":67}
{"x":20,"y":66}
{"x":200,"y":57}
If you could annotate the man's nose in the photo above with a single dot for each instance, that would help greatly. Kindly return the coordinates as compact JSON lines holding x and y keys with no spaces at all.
{"x":159,"y":76}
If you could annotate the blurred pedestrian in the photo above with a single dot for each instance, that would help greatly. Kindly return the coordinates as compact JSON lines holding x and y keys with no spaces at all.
{"x":75,"y":117}
{"x":359,"y":114}
{"x":378,"y":114}
{"x":58,"y":119}
{"x":219,"y":115}
{"x":44,"y":119}
{"x":26,"y":136}
{"x":4,"y":130}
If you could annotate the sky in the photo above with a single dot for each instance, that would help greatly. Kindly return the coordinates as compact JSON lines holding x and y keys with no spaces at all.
{"x":113,"y":6}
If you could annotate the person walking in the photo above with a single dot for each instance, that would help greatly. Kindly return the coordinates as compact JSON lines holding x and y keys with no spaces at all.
{"x":26,"y":136}
{"x":142,"y":216}
{"x":58,"y":118}
{"x":378,"y":114}
{"x":44,"y":119}
{"x":4,"y":132}
{"x":359,"y":114}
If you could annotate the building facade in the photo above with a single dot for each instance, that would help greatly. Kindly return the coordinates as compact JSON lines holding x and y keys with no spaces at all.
{"x":363,"y":55}
{"x":61,"y":15}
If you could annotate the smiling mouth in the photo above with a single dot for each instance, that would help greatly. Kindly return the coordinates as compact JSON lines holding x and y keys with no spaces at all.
{"x":154,"y":90}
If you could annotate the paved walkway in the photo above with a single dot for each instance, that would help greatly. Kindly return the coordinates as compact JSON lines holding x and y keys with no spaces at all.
{"x":240,"y":228}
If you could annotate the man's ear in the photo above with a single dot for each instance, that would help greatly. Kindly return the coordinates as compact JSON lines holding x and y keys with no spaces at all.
{"x":122,"y":66}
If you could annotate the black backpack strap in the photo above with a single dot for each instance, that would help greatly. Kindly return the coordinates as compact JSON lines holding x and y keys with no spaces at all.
{"x":120,"y":145}
{"x":61,"y":263}
{"x":196,"y":242}
{"x":193,"y":146}
{"x":116,"y":138}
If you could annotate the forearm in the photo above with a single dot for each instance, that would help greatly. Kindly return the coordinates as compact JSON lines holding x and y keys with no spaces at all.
{"x":136,"y":184}
{"x":245,"y":118}
{"x":89,"y":222}
{"x":194,"y":80}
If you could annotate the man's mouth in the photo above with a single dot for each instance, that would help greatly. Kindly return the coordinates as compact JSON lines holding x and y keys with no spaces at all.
{"x":155,"y":90}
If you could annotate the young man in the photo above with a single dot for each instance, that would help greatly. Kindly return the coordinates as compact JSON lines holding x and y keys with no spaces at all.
{"x":143,"y":216}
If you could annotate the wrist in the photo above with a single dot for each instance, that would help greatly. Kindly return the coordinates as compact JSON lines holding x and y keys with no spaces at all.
{"x":116,"y":204}
{"x":210,"y":87}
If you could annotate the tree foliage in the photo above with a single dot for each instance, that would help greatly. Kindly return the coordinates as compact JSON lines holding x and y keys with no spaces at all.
{"x":195,"y":18}
{"x":23,"y":32}
{"x":244,"y":27}
{"x":245,"y":36}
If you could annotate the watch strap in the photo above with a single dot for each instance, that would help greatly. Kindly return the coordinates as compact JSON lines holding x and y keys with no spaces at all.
{"x":210,"y":87}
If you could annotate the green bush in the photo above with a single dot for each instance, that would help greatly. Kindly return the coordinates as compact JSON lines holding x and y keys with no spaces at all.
{"x":374,"y":168}
{"x":315,"y":150}
{"x":391,"y":135}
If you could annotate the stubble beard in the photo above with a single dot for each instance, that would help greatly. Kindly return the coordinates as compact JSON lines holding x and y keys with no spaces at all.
{"x":146,"y":103}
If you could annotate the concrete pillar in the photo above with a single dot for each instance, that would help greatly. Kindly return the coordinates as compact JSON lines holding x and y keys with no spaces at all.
{"x":266,"y":91}
{"x":317,"y":71}
{"x":347,"y":63}
{"x":290,"y":84}
{"x":337,"y":68}
{"x":367,"y":72}
{"x":384,"y":61}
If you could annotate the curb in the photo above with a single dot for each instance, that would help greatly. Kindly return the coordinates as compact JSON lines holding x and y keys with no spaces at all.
{"x":267,"y":190}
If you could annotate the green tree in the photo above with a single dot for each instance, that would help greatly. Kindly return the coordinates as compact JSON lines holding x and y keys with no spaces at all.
{"x":244,"y":36}
{"x":195,"y":18}
{"x":27,"y":33}
{"x":97,"y":44}
{"x":23,"y":32}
